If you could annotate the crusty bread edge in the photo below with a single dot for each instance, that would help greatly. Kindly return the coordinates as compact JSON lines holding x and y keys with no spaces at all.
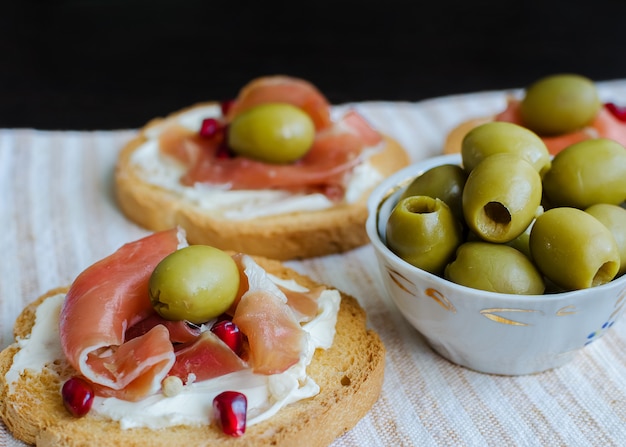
{"x":454,"y":139}
{"x":350,"y":375}
{"x":287,"y":236}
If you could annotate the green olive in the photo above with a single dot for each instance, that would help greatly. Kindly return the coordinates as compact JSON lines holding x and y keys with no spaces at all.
{"x":614,"y":218}
{"x":423,"y":231}
{"x":498,"y":136}
{"x":585,"y":173}
{"x":559,"y":104}
{"x":522,"y":242}
{"x":501,"y":197}
{"x":273,"y":133}
{"x":196,"y":283}
{"x":443,"y":182}
{"x":574,"y":249}
{"x":495,"y":268}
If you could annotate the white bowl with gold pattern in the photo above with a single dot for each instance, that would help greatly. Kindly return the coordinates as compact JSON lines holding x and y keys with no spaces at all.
{"x":485,"y":331}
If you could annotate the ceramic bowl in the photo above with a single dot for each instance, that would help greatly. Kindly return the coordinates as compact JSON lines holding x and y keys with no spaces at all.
{"x":486,"y":331}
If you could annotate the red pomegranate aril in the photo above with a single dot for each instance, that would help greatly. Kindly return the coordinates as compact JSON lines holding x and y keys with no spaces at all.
{"x":226,"y":106}
{"x":617,"y":111}
{"x":210,"y":127}
{"x":77,"y":396}
{"x":230,"y":409}
{"x":229,"y":333}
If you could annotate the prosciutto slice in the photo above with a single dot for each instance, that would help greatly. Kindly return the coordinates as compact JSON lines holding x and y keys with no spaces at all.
{"x":180,"y":331}
{"x":105,"y":300}
{"x":275,"y":337}
{"x":337,"y":148}
{"x":294,"y":91}
{"x":205,"y":358}
{"x":111,"y":335}
{"x":335,"y":152}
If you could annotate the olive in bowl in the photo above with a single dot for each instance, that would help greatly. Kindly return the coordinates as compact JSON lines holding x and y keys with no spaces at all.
{"x":489,"y":332}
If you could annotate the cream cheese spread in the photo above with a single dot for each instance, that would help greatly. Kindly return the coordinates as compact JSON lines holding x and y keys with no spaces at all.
{"x":43,"y":344}
{"x":165,"y":172}
{"x":266,"y":394}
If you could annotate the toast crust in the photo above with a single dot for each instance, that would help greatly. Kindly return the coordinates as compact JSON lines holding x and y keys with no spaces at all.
{"x":286,"y":236}
{"x":454,"y":139}
{"x":350,"y":376}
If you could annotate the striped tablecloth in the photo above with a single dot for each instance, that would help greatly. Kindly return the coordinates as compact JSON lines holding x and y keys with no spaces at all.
{"x":58,"y":215}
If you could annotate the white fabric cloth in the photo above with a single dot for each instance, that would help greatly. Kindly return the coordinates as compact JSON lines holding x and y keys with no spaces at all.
{"x":58,"y":215}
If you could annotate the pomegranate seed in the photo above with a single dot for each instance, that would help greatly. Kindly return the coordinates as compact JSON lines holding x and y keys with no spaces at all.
{"x":229,"y":333}
{"x":226,"y":106}
{"x":77,"y":396}
{"x":230,"y":409}
{"x":617,"y":111}
{"x":210,"y":127}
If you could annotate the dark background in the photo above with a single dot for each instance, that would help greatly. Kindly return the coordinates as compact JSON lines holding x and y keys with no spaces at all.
{"x":98,"y":64}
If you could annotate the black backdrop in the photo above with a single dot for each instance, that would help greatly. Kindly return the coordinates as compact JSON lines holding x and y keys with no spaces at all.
{"x":109,"y":64}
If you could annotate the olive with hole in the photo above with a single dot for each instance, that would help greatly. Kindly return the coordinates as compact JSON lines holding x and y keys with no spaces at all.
{"x":614,"y":218}
{"x":586,"y":173}
{"x":196,"y":283}
{"x":494,"y":268}
{"x":499,"y":136}
{"x":559,"y":104}
{"x":574,"y":249}
{"x":444,"y":182}
{"x":502,"y":196}
{"x":272,"y":132}
{"x":423,"y":231}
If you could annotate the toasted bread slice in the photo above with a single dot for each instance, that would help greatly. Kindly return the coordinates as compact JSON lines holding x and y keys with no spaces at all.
{"x":350,"y":376}
{"x":284,"y":236}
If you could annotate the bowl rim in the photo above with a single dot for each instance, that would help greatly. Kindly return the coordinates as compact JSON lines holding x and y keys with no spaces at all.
{"x":400,"y":178}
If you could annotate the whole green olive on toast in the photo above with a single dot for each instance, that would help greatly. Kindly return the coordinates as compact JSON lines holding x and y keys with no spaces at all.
{"x":196,"y":283}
